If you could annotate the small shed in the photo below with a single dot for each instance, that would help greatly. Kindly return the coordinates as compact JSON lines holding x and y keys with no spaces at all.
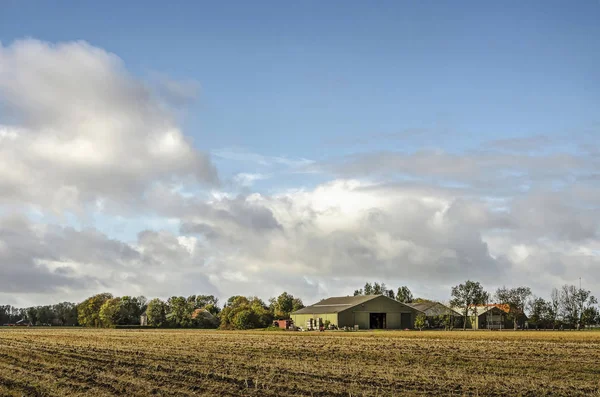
{"x":144,"y":319}
{"x":283,"y":324}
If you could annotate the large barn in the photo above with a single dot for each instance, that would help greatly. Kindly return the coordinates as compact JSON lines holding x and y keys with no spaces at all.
{"x":366,"y":311}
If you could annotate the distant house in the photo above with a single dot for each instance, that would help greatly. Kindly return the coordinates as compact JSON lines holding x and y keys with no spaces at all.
{"x":438,"y":315}
{"x":205,"y":319}
{"x":144,"y":319}
{"x":491,"y":316}
{"x":364,"y":311}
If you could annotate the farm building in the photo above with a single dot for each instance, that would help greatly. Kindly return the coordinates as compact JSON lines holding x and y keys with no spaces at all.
{"x":438,"y":315}
{"x":491,"y":316}
{"x":366,"y":311}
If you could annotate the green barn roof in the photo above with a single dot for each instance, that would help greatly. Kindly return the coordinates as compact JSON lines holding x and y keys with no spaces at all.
{"x":336,"y":304}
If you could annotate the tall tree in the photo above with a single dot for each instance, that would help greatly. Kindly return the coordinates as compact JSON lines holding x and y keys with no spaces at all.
{"x":297,"y":304}
{"x":585,"y":302}
{"x":540,"y":312}
{"x":379,"y":289}
{"x":516,"y":299}
{"x":404,"y":295}
{"x":131,"y":309}
{"x":283,"y":305}
{"x":569,"y":304}
{"x":204,"y":300}
{"x":244,"y":313}
{"x":470,"y":293}
{"x":374,"y":289}
{"x":157,"y":313}
{"x":88,"y":311}
{"x":111,"y":312}
{"x":179,"y":312}
{"x":66,"y":313}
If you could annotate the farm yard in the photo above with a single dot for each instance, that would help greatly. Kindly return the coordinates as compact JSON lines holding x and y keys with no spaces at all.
{"x":90,"y":362}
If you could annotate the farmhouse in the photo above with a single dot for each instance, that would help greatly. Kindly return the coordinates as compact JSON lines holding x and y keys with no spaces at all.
{"x":491,"y":316}
{"x":438,"y":315}
{"x":366,"y":311}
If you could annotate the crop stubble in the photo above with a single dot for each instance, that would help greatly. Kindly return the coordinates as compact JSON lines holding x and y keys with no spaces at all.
{"x":77,"y":362}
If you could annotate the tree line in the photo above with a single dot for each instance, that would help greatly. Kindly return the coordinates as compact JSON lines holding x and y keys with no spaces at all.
{"x":567,"y":306}
{"x":63,"y":314}
{"x":194,"y":311}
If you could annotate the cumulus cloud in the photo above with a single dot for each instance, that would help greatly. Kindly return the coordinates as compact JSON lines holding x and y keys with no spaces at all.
{"x":348,"y":230}
{"x":78,"y":133}
{"x":77,"y":127}
{"x":70,"y":264}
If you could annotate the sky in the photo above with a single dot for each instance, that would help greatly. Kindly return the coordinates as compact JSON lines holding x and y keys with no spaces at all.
{"x":251,"y":148}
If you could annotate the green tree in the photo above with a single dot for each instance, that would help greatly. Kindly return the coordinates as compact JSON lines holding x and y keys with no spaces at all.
{"x":469,"y":294}
{"x":179,"y":312}
{"x":131,"y":309}
{"x":257,"y":314}
{"x":404,"y":295}
{"x":45,"y":315}
{"x":157,"y":313}
{"x":540,"y":312}
{"x":420,"y":321}
{"x":233,"y":299}
{"x":516,"y":299}
{"x":245,"y":319}
{"x":590,"y":316}
{"x":284,"y":304}
{"x":379,"y":289}
{"x":88,"y":311}
{"x":297,"y":304}
{"x":111,"y":312}
{"x":585,"y":303}
{"x":204,"y":300}
{"x":66,"y":313}
{"x":374,"y":289}
{"x":32,"y":315}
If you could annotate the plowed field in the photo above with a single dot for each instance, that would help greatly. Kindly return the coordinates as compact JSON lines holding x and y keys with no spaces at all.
{"x":85,"y":362}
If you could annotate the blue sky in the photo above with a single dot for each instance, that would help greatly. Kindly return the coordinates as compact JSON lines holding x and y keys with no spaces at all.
{"x":313,"y":114}
{"x":288,"y":79}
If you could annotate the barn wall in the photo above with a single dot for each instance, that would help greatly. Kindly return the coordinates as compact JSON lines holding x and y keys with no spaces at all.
{"x":393,"y":320}
{"x":361,"y":319}
{"x":392,"y":308}
{"x":346,"y":319}
{"x":301,"y":319}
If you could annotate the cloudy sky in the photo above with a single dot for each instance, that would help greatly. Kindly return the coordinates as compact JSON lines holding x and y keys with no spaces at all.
{"x":251,"y":149}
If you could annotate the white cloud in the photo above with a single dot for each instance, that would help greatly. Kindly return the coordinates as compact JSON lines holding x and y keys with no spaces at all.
{"x":84,"y":129}
{"x":86,"y":136}
{"x":248,"y":179}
